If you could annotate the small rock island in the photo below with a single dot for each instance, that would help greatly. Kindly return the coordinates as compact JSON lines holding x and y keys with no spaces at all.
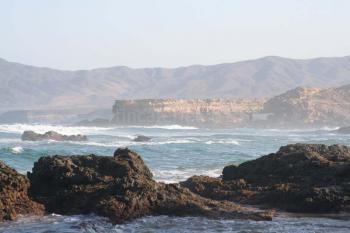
{"x":51,"y":135}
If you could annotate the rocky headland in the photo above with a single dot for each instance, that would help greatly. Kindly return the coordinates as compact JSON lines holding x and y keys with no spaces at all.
{"x":51,"y":135}
{"x":298,"y":108}
{"x":309,"y":107}
{"x":304,"y":178}
{"x":219,"y":112}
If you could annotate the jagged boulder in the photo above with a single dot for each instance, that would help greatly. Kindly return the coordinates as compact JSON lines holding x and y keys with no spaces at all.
{"x":300,"y":178}
{"x":14,"y":198}
{"x":120,"y":188}
{"x":51,"y":135}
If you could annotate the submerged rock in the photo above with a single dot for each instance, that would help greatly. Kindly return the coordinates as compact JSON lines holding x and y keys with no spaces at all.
{"x":14,"y":199}
{"x":51,"y":135}
{"x":120,"y":188}
{"x":142,"y":138}
{"x":307,"y":178}
{"x":99,"y":122}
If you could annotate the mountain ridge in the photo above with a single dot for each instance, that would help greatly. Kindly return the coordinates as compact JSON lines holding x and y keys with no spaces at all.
{"x":25,"y":86}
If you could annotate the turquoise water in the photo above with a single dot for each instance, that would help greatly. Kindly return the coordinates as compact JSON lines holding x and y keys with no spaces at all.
{"x":174,"y":154}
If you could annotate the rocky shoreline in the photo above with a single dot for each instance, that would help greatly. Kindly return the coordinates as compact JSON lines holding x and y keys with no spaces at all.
{"x":303,"y":178}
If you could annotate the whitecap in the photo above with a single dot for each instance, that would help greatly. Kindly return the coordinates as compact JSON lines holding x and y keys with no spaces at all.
{"x":16,"y":150}
{"x":41,"y":128}
{"x":166,"y":127}
{"x":177,"y":175}
{"x":223,"y":141}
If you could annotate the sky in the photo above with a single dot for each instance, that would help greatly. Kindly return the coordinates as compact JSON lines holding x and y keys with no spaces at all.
{"x":86,"y":34}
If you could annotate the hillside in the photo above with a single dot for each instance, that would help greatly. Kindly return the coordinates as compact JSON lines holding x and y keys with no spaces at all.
{"x":28,"y":87}
{"x":310,"y":106}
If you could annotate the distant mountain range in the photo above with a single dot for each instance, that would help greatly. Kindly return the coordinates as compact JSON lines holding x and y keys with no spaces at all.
{"x":29,"y":87}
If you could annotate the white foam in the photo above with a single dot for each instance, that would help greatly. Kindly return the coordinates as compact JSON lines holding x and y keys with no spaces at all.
{"x":39,"y":128}
{"x":131,"y":143}
{"x":165,"y":127}
{"x":176,"y":175}
{"x":16,"y":150}
{"x":223,"y":141}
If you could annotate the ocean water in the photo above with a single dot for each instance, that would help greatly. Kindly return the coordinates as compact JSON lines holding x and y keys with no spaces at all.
{"x":174,"y":154}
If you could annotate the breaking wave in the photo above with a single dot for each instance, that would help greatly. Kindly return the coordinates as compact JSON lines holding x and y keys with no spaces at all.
{"x":16,"y":150}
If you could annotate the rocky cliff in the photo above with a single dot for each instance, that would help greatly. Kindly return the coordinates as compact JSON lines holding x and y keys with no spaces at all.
{"x":194,"y":112}
{"x":310,"y":106}
{"x":300,"y":107}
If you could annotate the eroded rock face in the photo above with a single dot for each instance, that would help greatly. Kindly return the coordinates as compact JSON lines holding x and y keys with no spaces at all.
{"x":14,"y":199}
{"x":51,"y":135}
{"x":300,"y":178}
{"x":121,"y":188}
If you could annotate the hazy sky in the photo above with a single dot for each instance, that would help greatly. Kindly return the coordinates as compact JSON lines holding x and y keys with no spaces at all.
{"x":79,"y":34}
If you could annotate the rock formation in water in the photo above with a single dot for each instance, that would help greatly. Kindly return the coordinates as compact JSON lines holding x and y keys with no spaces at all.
{"x":142,"y":138}
{"x":302,"y":178}
{"x":14,"y":198}
{"x":99,"y":122}
{"x":120,"y":188}
{"x":305,"y":178}
{"x":51,"y":135}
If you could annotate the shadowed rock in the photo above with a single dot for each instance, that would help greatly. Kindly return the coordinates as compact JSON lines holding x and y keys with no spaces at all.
{"x":51,"y":135}
{"x":300,"y":178}
{"x":121,"y":188}
{"x":14,"y":200}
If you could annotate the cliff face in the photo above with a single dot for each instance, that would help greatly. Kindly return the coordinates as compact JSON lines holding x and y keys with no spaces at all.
{"x":195,"y":112}
{"x":300,"y":107}
{"x":310,"y":106}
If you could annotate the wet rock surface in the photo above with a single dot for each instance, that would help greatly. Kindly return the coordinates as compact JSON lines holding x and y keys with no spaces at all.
{"x":306,"y":178}
{"x":120,"y":188}
{"x":14,"y":199}
{"x":51,"y":135}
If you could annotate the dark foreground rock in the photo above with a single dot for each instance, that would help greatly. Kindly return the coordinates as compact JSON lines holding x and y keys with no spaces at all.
{"x":51,"y":135}
{"x":306,"y":178}
{"x":14,"y":200}
{"x":142,"y":138}
{"x":120,"y":188}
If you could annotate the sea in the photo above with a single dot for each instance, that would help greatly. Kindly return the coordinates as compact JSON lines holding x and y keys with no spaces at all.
{"x":174,"y":154}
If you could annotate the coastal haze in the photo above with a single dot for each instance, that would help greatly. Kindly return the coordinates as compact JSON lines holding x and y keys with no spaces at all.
{"x":30,"y":87}
{"x":270,"y":92}
{"x":174,"y":116}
